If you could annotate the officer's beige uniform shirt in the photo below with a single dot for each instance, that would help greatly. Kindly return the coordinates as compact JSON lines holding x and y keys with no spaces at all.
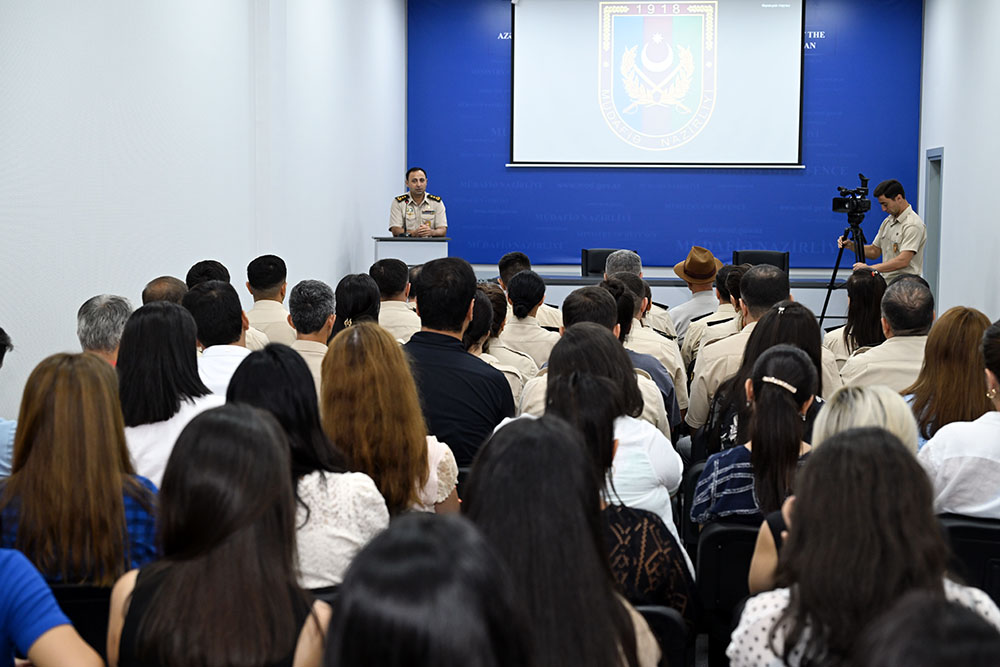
{"x":717,"y":362}
{"x":524,"y":364}
{"x":514,"y":377}
{"x":895,"y":363}
{"x":398,"y":318}
{"x":895,"y":235}
{"x":313,"y":352}
{"x":830,"y":372}
{"x":718,"y":332}
{"x":409,"y":215}
{"x":659,"y":318}
{"x":645,"y":340}
{"x":696,"y":330}
{"x":271,"y":318}
{"x":533,"y":399}
{"x":834,"y":341}
{"x":547,"y":316}
{"x":526,"y":335}
{"x":256,"y":339}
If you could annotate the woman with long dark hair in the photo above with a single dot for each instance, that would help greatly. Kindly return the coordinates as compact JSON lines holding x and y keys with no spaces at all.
{"x":533,"y":494}
{"x":225,"y":591}
{"x":73,"y":503}
{"x":337,"y":512}
{"x":749,"y":481}
{"x":865,"y":288}
{"x":863,"y":534}
{"x":158,"y":383}
{"x":357,"y":299}
{"x":428,"y":592}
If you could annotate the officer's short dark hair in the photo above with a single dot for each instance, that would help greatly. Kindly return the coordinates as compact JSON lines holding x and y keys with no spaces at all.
{"x":413,"y":169}
{"x":590,"y":304}
{"x":266,"y":275}
{"x":763,"y":286}
{"x":511,"y":264}
{"x":391,"y":276}
{"x":206,"y":269}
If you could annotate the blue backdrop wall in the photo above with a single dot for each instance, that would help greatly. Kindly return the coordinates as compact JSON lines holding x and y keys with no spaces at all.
{"x":861,"y":102}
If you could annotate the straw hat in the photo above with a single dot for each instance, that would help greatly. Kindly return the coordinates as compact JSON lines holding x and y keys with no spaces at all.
{"x":699,"y":267}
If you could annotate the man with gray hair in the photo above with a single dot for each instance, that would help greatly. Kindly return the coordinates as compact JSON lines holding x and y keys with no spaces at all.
{"x":311,"y":314}
{"x":907,"y":316}
{"x":100,"y":323}
{"x":628,"y":261}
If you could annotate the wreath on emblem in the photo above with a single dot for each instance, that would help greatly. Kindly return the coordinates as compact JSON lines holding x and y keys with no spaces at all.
{"x":669,"y":92}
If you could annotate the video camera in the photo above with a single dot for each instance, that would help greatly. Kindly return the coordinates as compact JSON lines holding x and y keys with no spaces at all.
{"x":853,"y":201}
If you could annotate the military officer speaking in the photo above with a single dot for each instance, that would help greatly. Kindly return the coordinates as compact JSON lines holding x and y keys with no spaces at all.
{"x":417,"y":213}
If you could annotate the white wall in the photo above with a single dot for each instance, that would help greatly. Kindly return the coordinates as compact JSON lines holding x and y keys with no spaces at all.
{"x":137,"y":138}
{"x":960,"y":99}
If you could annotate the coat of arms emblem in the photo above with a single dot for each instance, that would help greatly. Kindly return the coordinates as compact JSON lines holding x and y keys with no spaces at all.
{"x":657,"y":71}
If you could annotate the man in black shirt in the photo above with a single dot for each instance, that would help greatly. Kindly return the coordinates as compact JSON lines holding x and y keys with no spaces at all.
{"x":463,"y":398}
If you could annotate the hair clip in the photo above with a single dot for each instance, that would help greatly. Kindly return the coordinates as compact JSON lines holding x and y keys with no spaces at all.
{"x":781,"y":310}
{"x":348,"y":322}
{"x":781,"y":383}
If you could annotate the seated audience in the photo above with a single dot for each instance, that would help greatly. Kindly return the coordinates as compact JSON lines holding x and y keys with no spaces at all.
{"x":428,"y":592}
{"x":7,"y":426}
{"x":725,"y":312}
{"x":99,"y":325}
{"x":963,"y":458}
{"x":312,"y":313}
{"x":225,"y":591}
{"x":907,"y":316}
{"x":949,"y":387}
{"x":222,"y":327}
{"x":924,"y":630}
{"x":509,"y":266}
{"x":532,"y":484}
{"x":645,"y":556}
{"x":698,"y":270}
{"x":158,"y":383}
{"x":863,"y":534}
{"x":865,"y":289}
{"x":267,"y":282}
{"x":726,"y":328}
{"x":657,"y":317}
{"x":337,"y":512}
{"x":31,"y":622}
{"x":394,"y":315}
{"x":476,"y":336}
{"x":371,"y":413}
{"x":507,"y":356}
{"x":164,"y":288}
{"x":463,"y":398}
{"x":526,"y":294}
{"x":760,"y":288}
{"x":745,"y":483}
{"x":357,"y":300}
{"x":73,"y":503}
{"x":210,"y":269}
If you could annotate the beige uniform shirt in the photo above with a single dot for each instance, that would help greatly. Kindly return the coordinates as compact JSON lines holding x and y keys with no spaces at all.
{"x":514,"y":377}
{"x":659,"y":318}
{"x":526,"y":335}
{"x":834,"y":341}
{"x":645,"y":340}
{"x":313,"y":352}
{"x":697,"y":329}
{"x":409,"y":215}
{"x":533,"y":399}
{"x":720,"y":331}
{"x":398,"y":319}
{"x":256,"y":339}
{"x":547,"y":316}
{"x":895,"y":363}
{"x":272,"y":318}
{"x":524,"y":364}
{"x":907,"y":232}
{"x":717,"y":362}
{"x":829,"y":372}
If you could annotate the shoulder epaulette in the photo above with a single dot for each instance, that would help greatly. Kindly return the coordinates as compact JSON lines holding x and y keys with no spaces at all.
{"x":434,"y":198}
{"x":701,"y":317}
{"x":402,"y":197}
{"x":715,"y":322}
{"x":664,"y":334}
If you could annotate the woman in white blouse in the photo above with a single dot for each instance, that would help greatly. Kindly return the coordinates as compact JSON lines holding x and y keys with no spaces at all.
{"x":863,"y":534}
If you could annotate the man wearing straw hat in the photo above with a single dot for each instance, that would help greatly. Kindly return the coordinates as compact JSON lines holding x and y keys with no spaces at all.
{"x":698,"y":271}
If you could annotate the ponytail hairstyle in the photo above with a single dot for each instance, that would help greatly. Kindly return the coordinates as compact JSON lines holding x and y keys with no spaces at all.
{"x":357,"y":300}
{"x":784,"y":381}
{"x":526,"y":291}
{"x":625,"y":301}
{"x":865,"y":288}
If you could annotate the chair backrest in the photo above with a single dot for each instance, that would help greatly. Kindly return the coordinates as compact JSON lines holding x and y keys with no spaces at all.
{"x":87,"y":608}
{"x":667,"y":625}
{"x":725,"y":550}
{"x":592,"y":261}
{"x":772,"y":257}
{"x":976,"y":546}
{"x":688,"y":528}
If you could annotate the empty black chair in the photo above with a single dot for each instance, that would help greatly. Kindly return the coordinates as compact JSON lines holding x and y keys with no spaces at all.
{"x":592,"y":261}
{"x":87,"y":608}
{"x":668,"y":627}
{"x":689,"y":529}
{"x":723,"y":565}
{"x":976,"y":546}
{"x":772,"y":257}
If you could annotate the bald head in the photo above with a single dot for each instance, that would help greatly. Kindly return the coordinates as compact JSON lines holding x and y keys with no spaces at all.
{"x":164,"y":288}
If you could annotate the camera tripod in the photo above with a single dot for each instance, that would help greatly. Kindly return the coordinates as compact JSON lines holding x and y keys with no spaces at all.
{"x":857,"y":236}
